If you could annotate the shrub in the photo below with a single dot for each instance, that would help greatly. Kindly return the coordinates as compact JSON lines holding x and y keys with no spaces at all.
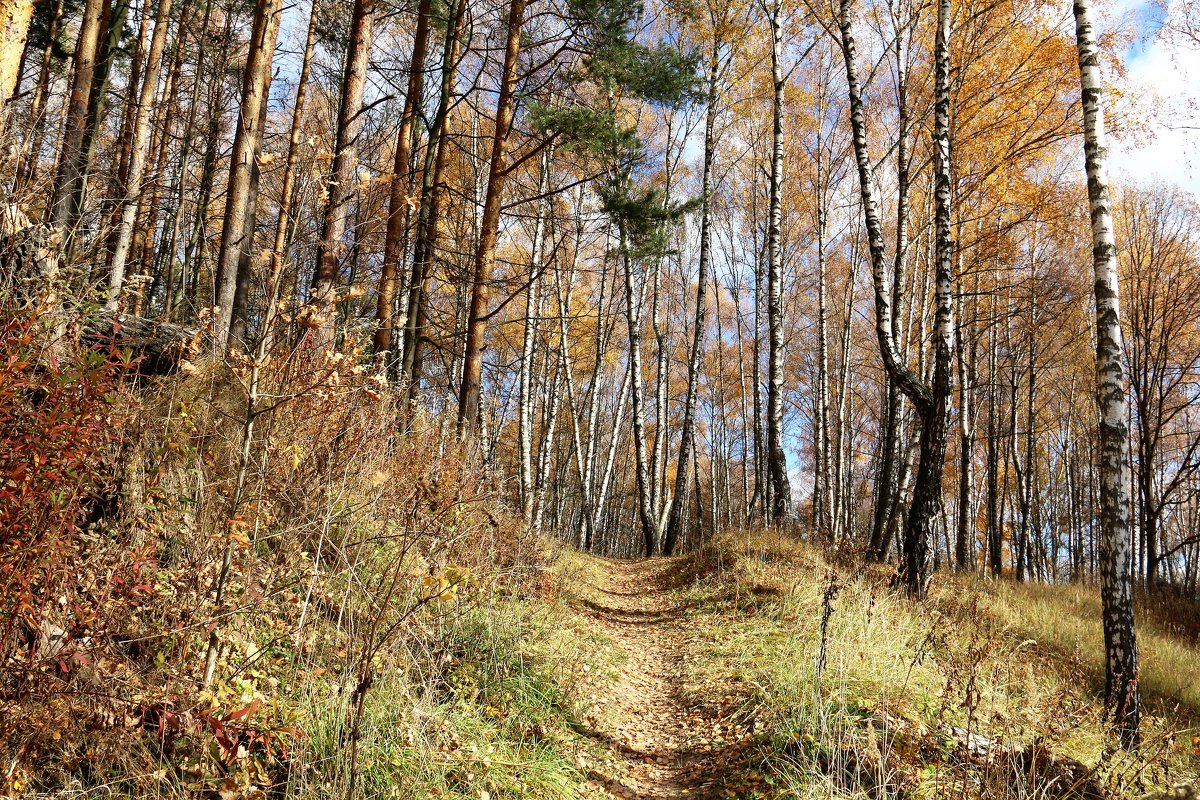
{"x":61,"y":414}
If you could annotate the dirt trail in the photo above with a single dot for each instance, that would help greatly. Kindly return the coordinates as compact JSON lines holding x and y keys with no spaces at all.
{"x":642,"y":717}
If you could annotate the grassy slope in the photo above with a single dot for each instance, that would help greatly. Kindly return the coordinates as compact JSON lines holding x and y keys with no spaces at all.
{"x":492,"y":715}
{"x":900,"y":689}
{"x":484,"y":697}
{"x":1018,"y":665}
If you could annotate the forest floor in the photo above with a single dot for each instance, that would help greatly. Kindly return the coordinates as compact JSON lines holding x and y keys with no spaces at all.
{"x":758,"y":669}
{"x":660,"y":739}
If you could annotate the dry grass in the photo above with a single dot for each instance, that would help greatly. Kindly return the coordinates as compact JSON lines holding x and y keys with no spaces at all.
{"x":881,"y":702}
{"x":369,"y":561}
{"x":1067,"y":618}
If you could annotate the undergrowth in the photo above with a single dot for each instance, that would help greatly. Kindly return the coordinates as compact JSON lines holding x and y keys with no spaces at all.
{"x":988,"y":690}
{"x":301,"y":591}
{"x":268,"y":579}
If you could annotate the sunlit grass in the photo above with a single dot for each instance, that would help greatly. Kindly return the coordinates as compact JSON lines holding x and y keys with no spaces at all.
{"x":1068,"y":617}
{"x":489,"y":708}
{"x":902,"y":682}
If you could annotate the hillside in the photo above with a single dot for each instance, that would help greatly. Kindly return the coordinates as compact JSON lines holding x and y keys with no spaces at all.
{"x":641,"y":399}
{"x":784,"y":676}
{"x":751,"y":669}
{"x":349,"y":609}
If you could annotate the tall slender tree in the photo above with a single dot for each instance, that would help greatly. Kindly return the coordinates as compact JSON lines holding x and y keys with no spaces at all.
{"x":138,"y":154}
{"x":401,"y":185}
{"x":489,"y":230}
{"x":343,"y":174}
{"x":930,"y":399}
{"x":717,"y":18}
{"x":67,"y":199}
{"x":1121,"y":690}
{"x":781,"y":489}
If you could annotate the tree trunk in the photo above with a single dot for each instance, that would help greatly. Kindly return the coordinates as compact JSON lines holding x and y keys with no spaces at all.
{"x":28,"y":168}
{"x":887,"y":476}
{"x":432,"y":193}
{"x":283,"y":226}
{"x":916,"y":567}
{"x":15,"y":16}
{"x":401,"y":183}
{"x":485,"y":256}
{"x":842,"y":507}
{"x":1120,"y":641}
{"x":68,"y":186}
{"x":606,"y":479}
{"x":532,"y":314}
{"x":633,"y":301}
{"x":964,"y":546}
{"x":675,"y":519}
{"x":112,"y":27}
{"x":930,"y":401}
{"x":343,"y":175}
{"x":149,"y":205}
{"x":138,"y":154}
{"x":546,"y":449}
{"x":240,"y":315}
{"x":823,"y":526}
{"x":247,"y":140}
{"x":781,"y":490}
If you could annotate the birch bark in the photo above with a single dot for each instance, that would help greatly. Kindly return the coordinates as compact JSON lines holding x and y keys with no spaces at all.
{"x":1116,"y":589}
{"x":781,"y":490}
{"x":675,"y":518}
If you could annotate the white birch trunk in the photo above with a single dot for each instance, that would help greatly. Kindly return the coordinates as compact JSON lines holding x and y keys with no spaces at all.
{"x":1120,"y":641}
{"x":532,"y":313}
{"x":781,"y":490}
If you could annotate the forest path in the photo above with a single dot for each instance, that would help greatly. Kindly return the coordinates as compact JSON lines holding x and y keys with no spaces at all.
{"x":653,"y":733}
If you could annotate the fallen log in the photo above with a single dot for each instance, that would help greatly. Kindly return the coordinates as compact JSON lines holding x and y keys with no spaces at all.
{"x":30,"y":278}
{"x":159,"y":348}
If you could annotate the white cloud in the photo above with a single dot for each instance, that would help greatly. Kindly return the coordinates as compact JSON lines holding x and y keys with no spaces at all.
{"x":1163,"y":78}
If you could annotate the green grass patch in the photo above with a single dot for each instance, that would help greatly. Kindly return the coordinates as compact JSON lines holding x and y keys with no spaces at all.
{"x":987,"y":690}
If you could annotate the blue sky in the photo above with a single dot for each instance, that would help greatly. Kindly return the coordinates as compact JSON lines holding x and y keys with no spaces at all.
{"x":1163,"y":83}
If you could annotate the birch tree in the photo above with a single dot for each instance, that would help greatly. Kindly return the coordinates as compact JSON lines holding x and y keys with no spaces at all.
{"x":781,"y":489}
{"x":1121,"y":691}
{"x":930,"y":399}
{"x":717,"y":22}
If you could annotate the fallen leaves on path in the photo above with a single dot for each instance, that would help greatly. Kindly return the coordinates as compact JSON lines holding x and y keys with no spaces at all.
{"x":661,"y":744}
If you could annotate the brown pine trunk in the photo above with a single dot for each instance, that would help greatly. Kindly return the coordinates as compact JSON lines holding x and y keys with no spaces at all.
{"x":398,"y":205}
{"x":283,"y":220}
{"x":148,"y":207}
{"x":342,"y":176}
{"x":68,"y":186}
{"x":27,"y":171}
{"x":485,"y":256}
{"x":239,"y":316}
{"x":432,"y":201}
